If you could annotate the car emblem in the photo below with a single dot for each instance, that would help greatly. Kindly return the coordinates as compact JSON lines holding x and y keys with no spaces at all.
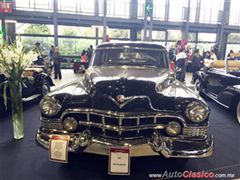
{"x":120,"y":98}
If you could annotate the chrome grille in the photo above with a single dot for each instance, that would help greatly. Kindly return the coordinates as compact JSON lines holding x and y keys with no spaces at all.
{"x":194,"y":131}
{"x":122,"y":125}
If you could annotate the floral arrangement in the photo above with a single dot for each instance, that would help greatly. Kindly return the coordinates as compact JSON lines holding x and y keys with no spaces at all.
{"x":13,"y":60}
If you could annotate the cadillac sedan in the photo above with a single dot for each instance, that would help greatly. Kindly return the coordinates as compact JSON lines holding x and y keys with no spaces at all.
{"x":128,"y":97}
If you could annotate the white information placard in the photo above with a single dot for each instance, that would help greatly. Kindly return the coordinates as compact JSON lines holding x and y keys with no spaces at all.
{"x":119,"y":161}
{"x":58,"y":148}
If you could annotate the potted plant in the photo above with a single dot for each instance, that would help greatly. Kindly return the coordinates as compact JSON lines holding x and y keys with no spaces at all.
{"x":14,"y":59}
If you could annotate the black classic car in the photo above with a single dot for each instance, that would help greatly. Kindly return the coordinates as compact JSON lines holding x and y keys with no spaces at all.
{"x":36,"y":84}
{"x":128,"y":97}
{"x":220,"y":81}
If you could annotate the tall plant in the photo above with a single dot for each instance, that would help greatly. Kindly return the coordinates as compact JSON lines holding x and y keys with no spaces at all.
{"x":13,"y":60}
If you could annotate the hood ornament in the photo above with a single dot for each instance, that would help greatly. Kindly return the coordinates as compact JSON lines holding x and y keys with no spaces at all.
{"x":120,"y":98}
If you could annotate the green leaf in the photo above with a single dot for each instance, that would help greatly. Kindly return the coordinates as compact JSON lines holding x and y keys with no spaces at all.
{"x":5,"y":84}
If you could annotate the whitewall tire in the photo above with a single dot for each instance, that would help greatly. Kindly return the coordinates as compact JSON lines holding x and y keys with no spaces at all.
{"x":238,"y":111}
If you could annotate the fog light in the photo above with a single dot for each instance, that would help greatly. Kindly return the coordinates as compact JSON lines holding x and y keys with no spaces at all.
{"x":70,"y":124}
{"x":173,"y":128}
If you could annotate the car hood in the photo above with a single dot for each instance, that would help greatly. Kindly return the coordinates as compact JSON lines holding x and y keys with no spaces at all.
{"x":101,"y":87}
{"x":110,"y":73}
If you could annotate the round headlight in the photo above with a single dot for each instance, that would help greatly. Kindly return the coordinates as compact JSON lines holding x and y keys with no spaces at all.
{"x":49,"y":106}
{"x":173,"y":128}
{"x":197,"y":111}
{"x":70,"y":124}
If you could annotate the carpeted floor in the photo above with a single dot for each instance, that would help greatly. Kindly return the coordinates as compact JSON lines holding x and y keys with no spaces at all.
{"x":24,"y":160}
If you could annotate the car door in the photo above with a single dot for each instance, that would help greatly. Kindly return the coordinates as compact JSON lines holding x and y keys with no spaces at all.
{"x":27,"y":87}
{"x":227,"y":95}
{"x":215,"y":81}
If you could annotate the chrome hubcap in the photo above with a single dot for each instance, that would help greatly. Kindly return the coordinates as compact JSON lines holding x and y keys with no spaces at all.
{"x":45,"y":89}
{"x":197,"y":86}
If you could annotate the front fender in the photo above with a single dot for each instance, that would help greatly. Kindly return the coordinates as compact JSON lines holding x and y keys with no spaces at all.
{"x":201,"y":75}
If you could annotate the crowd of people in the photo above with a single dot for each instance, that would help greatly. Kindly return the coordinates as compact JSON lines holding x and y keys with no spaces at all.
{"x":181,"y":54}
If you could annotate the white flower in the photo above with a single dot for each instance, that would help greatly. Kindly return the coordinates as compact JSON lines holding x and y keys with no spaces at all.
{"x":14,"y":56}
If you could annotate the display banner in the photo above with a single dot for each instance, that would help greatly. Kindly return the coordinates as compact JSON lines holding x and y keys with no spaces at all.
{"x":119,"y":161}
{"x":6,"y":7}
{"x":58,"y":149}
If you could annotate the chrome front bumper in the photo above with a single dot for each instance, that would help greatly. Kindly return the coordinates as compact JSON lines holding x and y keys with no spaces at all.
{"x":156,"y":145}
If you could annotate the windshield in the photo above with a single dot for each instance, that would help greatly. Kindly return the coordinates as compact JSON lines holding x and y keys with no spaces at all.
{"x":130,"y":57}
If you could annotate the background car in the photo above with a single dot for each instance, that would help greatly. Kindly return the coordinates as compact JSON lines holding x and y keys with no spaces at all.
{"x":36,"y":84}
{"x":128,"y":97}
{"x":220,"y":83}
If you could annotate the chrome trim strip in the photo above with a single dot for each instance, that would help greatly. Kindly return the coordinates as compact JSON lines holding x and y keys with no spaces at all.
{"x":138,"y":123}
{"x":215,"y":99}
{"x":103,"y":123}
{"x":122,"y":128}
{"x":116,"y":114}
{"x":131,"y":47}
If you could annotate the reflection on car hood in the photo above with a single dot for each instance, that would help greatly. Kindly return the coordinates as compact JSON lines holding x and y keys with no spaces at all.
{"x":72,"y":88}
{"x":98,"y":74}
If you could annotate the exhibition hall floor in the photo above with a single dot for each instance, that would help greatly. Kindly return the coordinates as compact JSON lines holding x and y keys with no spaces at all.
{"x":24,"y":160}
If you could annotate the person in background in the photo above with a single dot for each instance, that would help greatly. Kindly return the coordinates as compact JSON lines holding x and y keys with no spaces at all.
{"x":197,"y":62}
{"x":38,"y":49}
{"x":181,"y":65}
{"x":230,"y":56}
{"x":206,"y":55}
{"x":57,"y":63}
{"x":89,"y":54}
{"x":51,"y":51}
{"x":84,"y":59}
{"x":213,"y":55}
{"x":172,"y":53}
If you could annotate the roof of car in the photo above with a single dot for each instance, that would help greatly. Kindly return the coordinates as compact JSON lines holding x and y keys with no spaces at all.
{"x":131,"y":44}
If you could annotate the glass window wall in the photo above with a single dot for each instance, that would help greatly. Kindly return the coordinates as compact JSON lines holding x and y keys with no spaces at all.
{"x":234,"y":18}
{"x":159,"y":35}
{"x":34,"y":5}
{"x":76,"y":6}
{"x":159,"y":9}
{"x":45,"y":42}
{"x":193,"y":10}
{"x":210,"y":11}
{"x":116,"y":8}
{"x":177,"y":10}
{"x":207,"y":37}
{"x":74,"y":47}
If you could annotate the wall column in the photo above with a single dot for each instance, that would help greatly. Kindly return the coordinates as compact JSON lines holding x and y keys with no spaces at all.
{"x":133,"y":11}
{"x":104,"y":21}
{"x":55,"y":21}
{"x":222,"y":37}
{"x":10,"y":30}
{"x":186,"y":24}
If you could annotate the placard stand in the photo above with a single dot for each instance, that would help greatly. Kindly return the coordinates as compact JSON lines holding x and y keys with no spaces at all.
{"x":58,"y":148}
{"x":119,"y":161}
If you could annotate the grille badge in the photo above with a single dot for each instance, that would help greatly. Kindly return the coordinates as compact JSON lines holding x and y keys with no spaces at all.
{"x":120,"y":98}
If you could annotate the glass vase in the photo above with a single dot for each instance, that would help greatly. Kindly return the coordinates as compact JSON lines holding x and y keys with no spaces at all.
{"x":17,"y":109}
